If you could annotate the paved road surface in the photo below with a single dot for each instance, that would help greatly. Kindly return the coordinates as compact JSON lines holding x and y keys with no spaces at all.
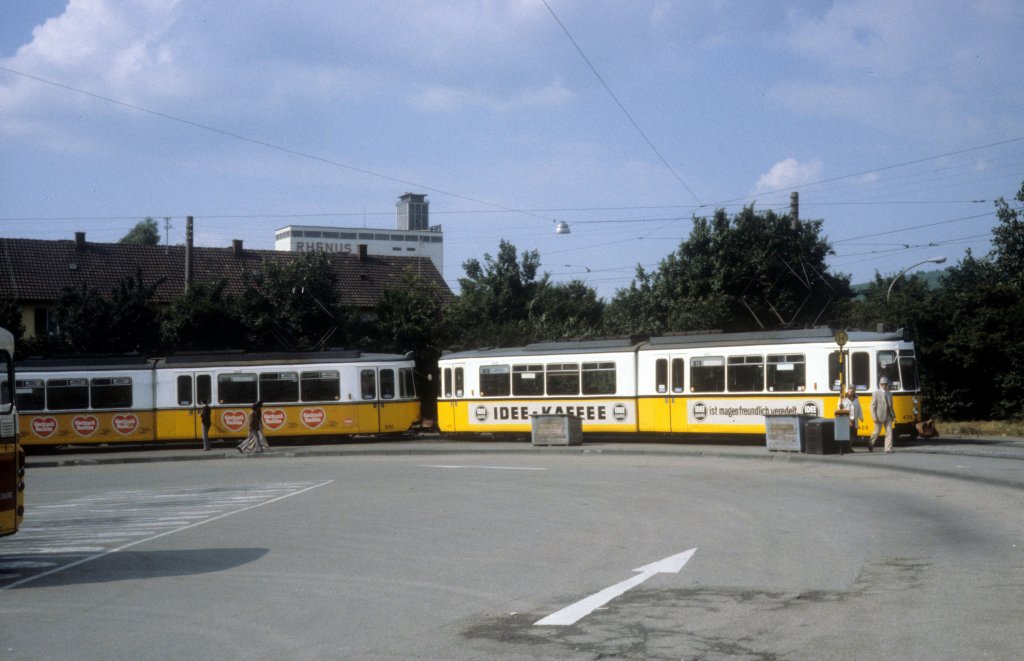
{"x":425,"y":550}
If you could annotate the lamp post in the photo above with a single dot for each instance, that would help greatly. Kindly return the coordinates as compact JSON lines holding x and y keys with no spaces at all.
{"x":933,"y":260}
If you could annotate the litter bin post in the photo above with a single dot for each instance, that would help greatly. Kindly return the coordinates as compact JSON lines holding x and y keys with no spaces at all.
{"x":842,"y":431}
{"x":550,"y":429}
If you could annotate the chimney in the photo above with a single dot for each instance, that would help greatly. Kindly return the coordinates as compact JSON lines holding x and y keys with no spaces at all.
{"x":362,"y":252}
{"x":79,"y":240}
{"x":188,"y":252}
{"x":236,"y":247}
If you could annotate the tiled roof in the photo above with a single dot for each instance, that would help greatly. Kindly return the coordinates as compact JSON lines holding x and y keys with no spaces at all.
{"x":33,"y":270}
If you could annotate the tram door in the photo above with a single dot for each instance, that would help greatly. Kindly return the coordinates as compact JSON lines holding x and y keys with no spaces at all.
{"x":668,"y":408}
{"x":192,"y":390}
{"x":378,"y":399}
{"x":453,"y":390}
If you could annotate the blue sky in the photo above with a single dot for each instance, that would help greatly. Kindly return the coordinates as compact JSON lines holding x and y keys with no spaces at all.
{"x":898,"y":122}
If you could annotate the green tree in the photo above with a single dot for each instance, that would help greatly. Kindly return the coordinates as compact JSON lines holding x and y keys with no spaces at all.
{"x":83,"y":322}
{"x":565,"y":310}
{"x":202,"y":319}
{"x":410,"y":318}
{"x":10,"y":319}
{"x":754,"y":270}
{"x":494,"y":303}
{"x":134,"y":321}
{"x":144,"y":233}
{"x":290,"y":305}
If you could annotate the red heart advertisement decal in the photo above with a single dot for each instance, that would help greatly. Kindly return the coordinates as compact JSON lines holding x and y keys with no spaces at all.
{"x":274,"y":418}
{"x":233,"y":420}
{"x":313,"y":418}
{"x":125,"y":424}
{"x":44,"y":427}
{"x":85,"y":425}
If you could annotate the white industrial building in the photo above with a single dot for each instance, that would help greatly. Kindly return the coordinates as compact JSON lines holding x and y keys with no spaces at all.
{"x":413,"y":238}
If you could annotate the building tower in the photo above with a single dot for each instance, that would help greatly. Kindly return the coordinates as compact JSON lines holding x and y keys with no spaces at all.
{"x":413,"y":212}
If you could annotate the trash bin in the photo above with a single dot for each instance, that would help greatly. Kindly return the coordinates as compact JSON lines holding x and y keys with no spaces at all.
{"x":551,"y":429}
{"x":819,"y":437}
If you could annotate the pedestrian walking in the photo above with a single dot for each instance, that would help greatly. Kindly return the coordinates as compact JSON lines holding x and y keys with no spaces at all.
{"x":204,"y":418}
{"x":255,"y":441}
{"x":883,"y":414}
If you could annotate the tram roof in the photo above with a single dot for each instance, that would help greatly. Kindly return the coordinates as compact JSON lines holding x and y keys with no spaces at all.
{"x":542,"y":348}
{"x":808,"y":335}
{"x":277,"y":357}
{"x":82,"y":363}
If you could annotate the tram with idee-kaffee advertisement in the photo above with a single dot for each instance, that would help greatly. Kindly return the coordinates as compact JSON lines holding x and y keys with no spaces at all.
{"x":707,"y":384}
{"x":326,"y":394}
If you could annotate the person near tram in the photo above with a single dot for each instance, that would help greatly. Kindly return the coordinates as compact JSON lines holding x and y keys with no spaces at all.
{"x":852,"y":404}
{"x":205,"y":419}
{"x":255,"y":441}
{"x":883,"y":414}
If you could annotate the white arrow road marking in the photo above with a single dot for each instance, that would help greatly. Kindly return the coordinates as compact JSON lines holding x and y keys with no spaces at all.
{"x":576,"y":612}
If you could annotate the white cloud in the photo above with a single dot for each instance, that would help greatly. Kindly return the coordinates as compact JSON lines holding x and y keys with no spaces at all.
{"x":789,"y":173}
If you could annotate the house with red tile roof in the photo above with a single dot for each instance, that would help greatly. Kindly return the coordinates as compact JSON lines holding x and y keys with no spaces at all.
{"x":35,"y":273}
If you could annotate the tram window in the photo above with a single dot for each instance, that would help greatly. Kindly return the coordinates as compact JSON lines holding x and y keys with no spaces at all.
{"x":30,"y":395}
{"x":203,"y":383}
{"x":279,"y":386}
{"x":494,"y":381}
{"x":368,"y":384}
{"x":661,"y":374}
{"x":447,"y":382}
{"x":858,"y":368}
{"x":908,"y":370}
{"x":787,"y":373}
{"x":745,"y":373}
{"x":678,"y":369}
{"x":527,"y":380}
{"x":407,"y":383}
{"x":320,"y":386}
{"x":563,"y":379}
{"x":707,"y":374}
{"x":599,"y":378}
{"x":184,"y":390}
{"x":65,"y":394}
{"x":387,"y":384}
{"x":112,"y":393}
{"x":888,"y":367}
{"x":238,"y":388}
{"x":460,"y":382}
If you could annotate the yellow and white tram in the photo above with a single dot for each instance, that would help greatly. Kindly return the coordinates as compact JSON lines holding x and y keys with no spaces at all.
{"x":140,"y":400}
{"x":722,"y":383}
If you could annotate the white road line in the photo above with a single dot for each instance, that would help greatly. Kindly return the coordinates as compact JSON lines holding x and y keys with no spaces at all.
{"x":494,"y":468}
{"x":575,"y":612}
{"x":157,"y":536}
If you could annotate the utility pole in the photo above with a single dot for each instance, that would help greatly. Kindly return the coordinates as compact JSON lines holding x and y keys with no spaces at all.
{"x":167,"y":234}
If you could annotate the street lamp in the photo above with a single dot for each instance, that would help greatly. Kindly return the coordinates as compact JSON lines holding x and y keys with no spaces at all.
{"x":933,"y":260}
